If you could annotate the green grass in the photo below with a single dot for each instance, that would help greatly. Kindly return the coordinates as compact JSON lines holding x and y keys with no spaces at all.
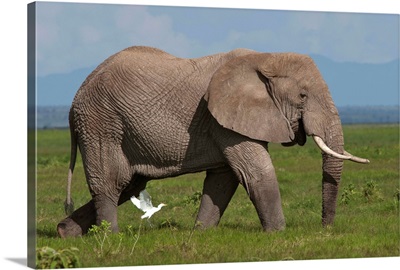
{"x":366,"y":225}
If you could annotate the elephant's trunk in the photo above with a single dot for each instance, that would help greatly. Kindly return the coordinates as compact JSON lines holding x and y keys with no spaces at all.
{"x":332,"y":170}
{"x":333,"y":154}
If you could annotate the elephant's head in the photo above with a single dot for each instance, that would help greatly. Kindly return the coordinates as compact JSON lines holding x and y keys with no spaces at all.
{"x":282,"y":98}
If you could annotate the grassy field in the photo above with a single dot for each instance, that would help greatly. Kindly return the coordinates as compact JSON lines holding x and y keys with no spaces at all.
{"x":366,"y":225}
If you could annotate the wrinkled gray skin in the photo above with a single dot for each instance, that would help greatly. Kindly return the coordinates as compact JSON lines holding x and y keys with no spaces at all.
{"x":144,"y":114}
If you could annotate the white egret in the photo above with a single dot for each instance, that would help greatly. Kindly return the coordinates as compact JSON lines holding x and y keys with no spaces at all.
{"x":144,"y":204}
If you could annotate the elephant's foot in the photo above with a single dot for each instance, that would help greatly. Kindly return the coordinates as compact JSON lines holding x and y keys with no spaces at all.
{"x":79,"y":222}
{"x":69,"y":228}
{"x":278,"y":224}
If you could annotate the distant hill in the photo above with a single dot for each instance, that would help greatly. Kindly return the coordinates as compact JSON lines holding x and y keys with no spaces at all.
{"x":60,"y":89}
{"x":355,"y":84}
{"x":57,"y":116}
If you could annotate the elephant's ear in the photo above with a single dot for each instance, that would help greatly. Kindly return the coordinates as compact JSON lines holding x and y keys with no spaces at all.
{"x":239,"y":97}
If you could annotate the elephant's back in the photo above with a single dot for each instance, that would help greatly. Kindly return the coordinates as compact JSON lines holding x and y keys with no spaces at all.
{"x":146,"y":74}
{"x":146,"y":92}
{"x":141,"y":50}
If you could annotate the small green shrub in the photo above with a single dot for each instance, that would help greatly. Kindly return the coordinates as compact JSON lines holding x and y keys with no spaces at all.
{"x":348,"y":194}
{"x":193,"y":199}
{"x":135,"y":236}
{"x":47,"y":257}
{"x":105,"y":243}
{"x":101,"y":235}
{"x":371,"y":191}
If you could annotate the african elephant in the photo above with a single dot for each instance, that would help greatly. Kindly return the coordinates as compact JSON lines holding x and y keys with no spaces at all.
{"x":144,"y":114}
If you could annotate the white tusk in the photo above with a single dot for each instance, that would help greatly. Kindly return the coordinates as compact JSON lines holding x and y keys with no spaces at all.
{"x":327,"y":150}
{"x":356,"y":159}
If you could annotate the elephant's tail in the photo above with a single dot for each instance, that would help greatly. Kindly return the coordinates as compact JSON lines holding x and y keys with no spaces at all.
{"x":69,"y":204}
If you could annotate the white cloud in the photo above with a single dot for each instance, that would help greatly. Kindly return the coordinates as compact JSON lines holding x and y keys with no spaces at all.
{"x":72,"y":36}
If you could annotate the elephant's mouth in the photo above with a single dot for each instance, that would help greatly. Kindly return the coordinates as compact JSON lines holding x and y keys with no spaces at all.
{"x":300,"y":136}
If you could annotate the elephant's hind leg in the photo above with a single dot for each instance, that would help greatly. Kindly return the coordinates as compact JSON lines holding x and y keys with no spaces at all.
{"x":219,"y":187}
{"x":84,"y":217}
{"x":108,"y":172}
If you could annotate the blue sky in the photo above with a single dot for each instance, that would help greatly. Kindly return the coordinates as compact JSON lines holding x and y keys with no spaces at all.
{"x":72,"y":36}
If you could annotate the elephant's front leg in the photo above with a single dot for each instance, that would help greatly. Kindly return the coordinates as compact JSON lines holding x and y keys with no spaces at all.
{"x":219,"y":187}
{"x":253,"y":167}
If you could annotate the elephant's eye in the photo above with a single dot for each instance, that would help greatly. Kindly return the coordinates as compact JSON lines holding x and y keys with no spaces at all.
{"x":303,"y":96}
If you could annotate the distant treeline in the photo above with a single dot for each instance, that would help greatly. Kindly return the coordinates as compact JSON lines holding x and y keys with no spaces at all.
{"x":369,"y":114}
{"x":52,"y":117}
{"x":57,"y":116}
